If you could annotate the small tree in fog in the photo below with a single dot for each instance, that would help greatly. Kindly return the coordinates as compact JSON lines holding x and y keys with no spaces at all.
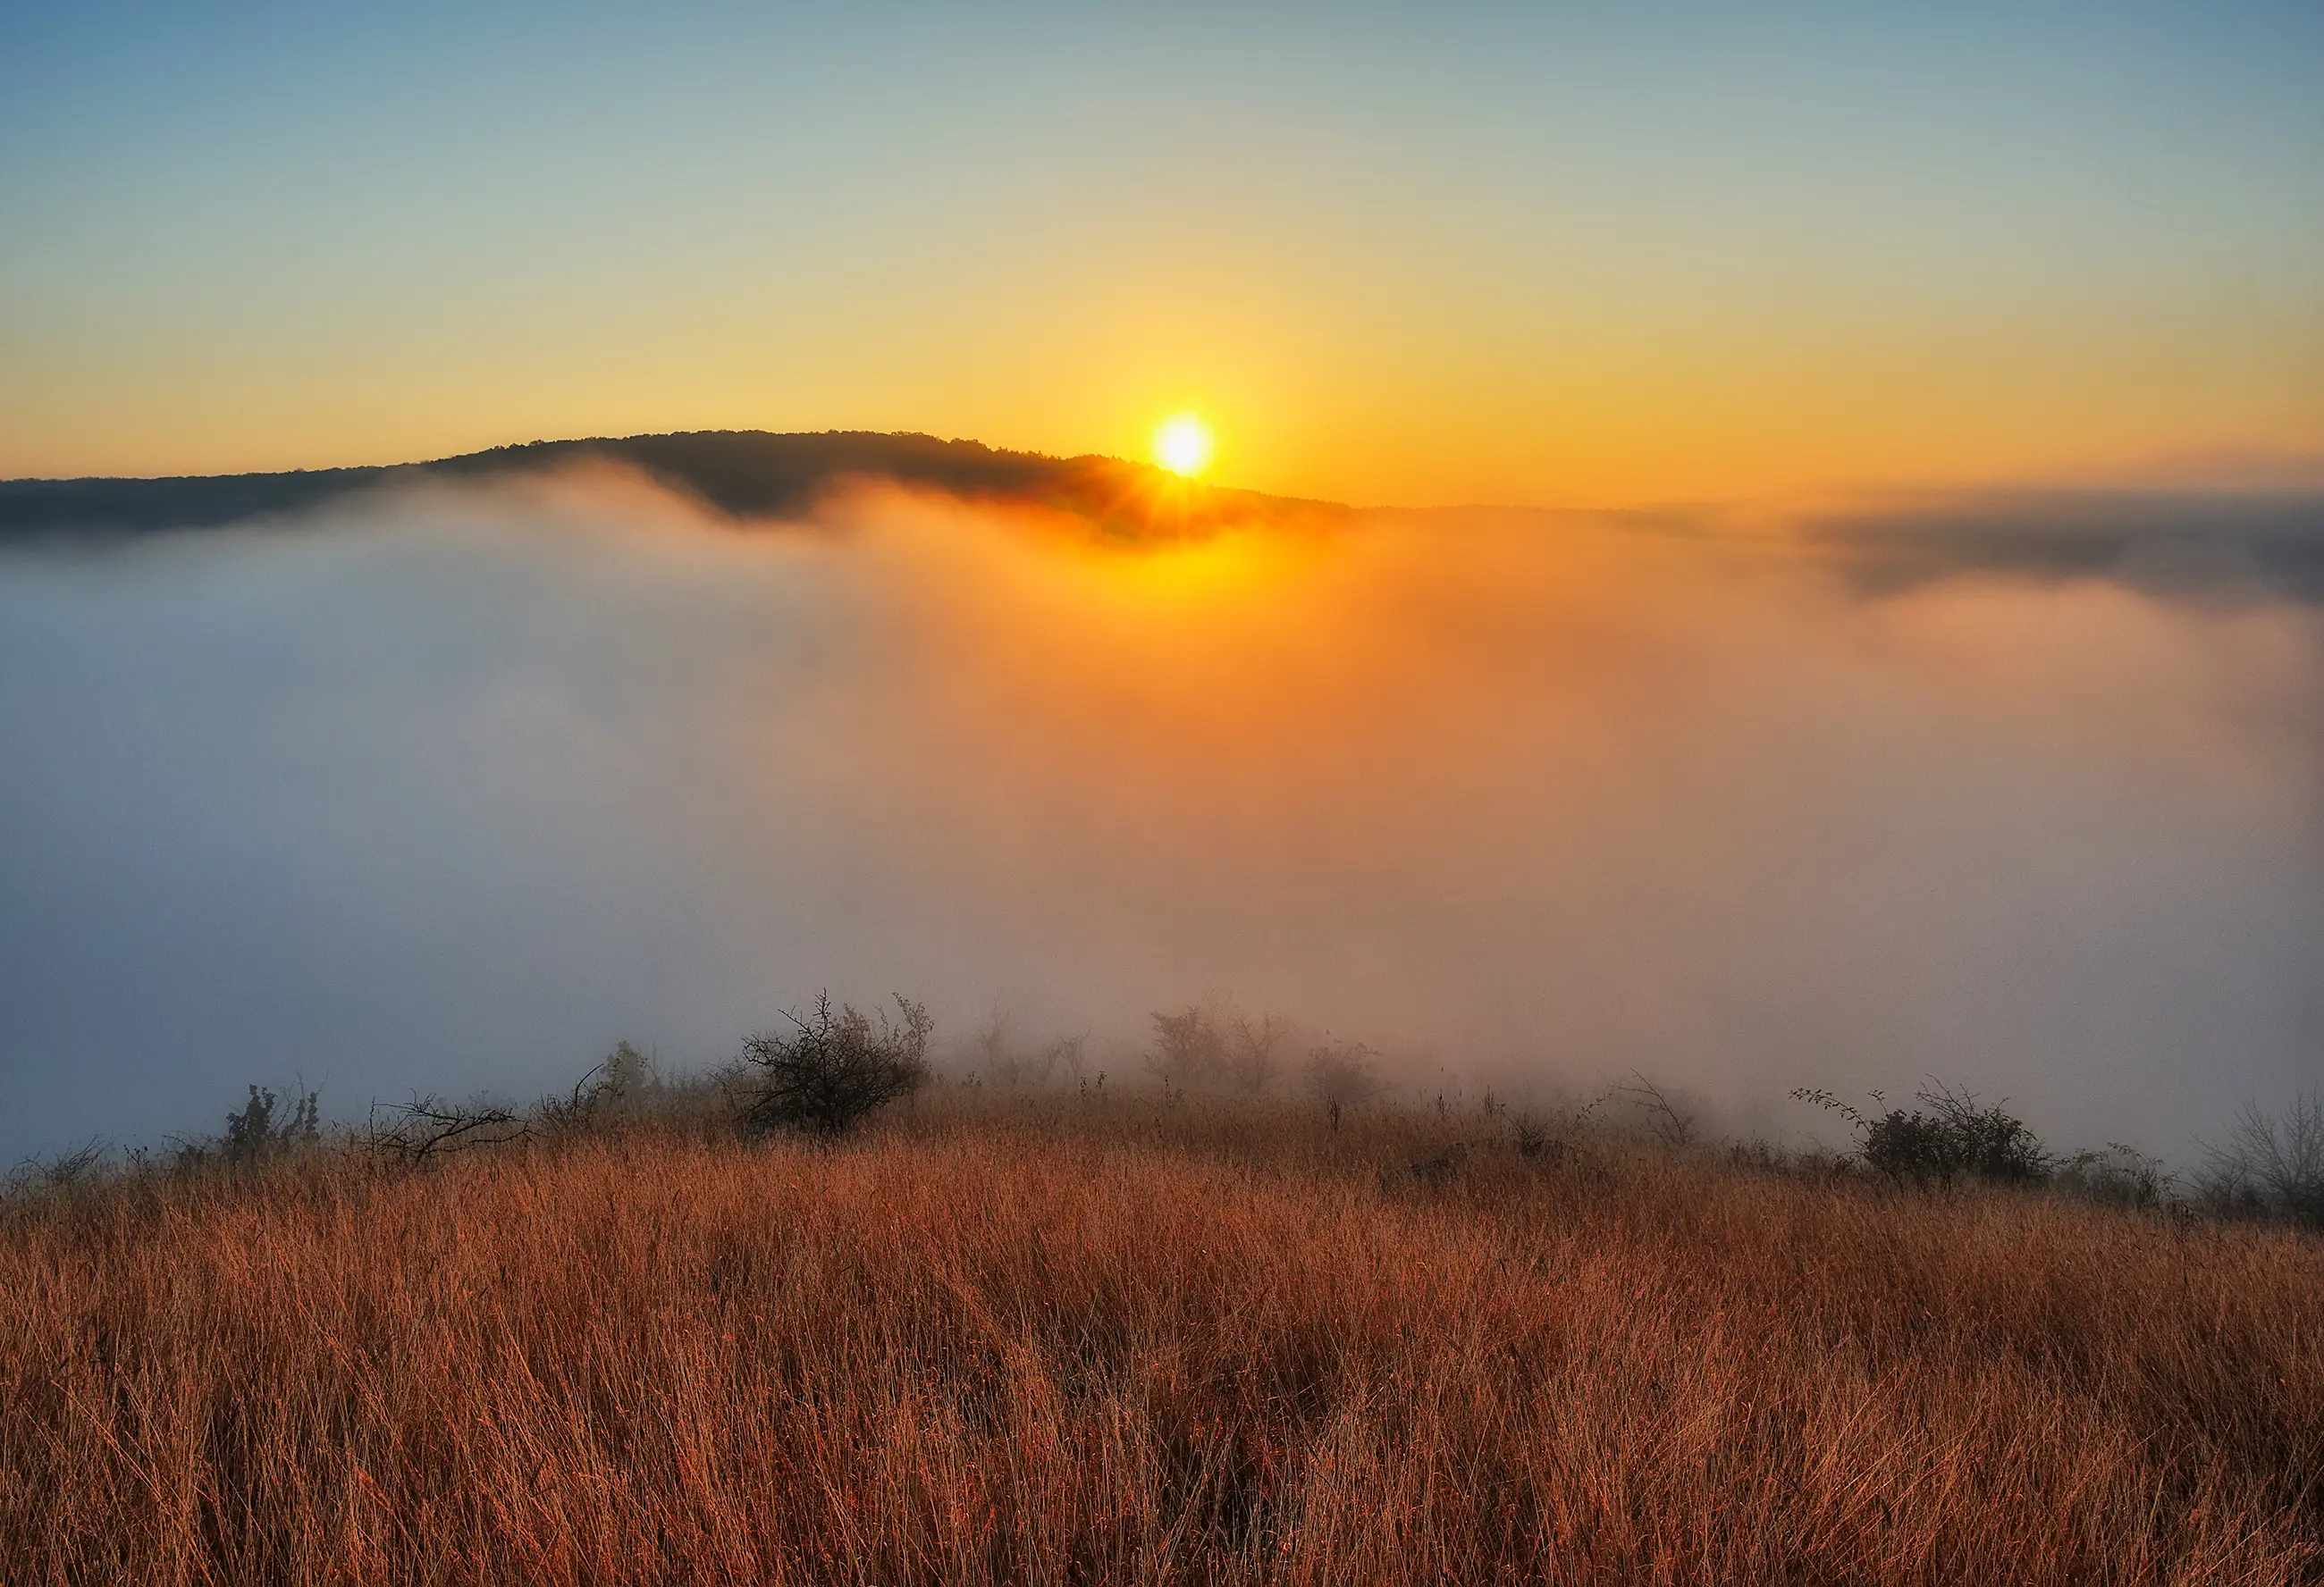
{"x":831,"y":1071}
{"x":627,"y":1072}
{"x":1341,"y":1075}
{"x":623,"y":1078}
{"x":1068,"y":1053}
{"x":1003,"y":1062}
{"x":1189,"y":1049}
{"x":1251,"y":1045}
{"x":2270,"y":1163}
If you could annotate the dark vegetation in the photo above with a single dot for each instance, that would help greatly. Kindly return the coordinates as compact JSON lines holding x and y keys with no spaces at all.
{"x":1954,"y":1139}
{"x":259,"y":1129}
{"x":830,"y":1071}
{"x":745,"y":475}
{"x":2270,"y":1165}
{"x":1199,"y":1048}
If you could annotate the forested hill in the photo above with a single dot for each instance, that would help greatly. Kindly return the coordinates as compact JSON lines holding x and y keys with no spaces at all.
{"x":745,"y":474}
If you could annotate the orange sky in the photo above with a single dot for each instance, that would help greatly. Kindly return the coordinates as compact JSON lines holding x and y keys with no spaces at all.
{"x":1546,"y":261}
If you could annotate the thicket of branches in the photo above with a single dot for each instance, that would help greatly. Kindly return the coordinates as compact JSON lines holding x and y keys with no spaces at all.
{"x":1206,"y":1048}
{"x":1953,"y":1138}
{"x":830,"y":1070}
{"x":2270,"y":1165}
{"x":261,"y":1127}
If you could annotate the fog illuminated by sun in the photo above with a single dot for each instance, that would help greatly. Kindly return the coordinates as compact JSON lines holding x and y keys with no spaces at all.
{"x":1182,"y":443}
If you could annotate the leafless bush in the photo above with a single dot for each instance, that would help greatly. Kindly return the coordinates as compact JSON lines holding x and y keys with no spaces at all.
{"x":1251,"y":1045}
{"x":832,"y":1070}
{"x":1567,"y":1123}
{"x":1341,"y":1075}
{"x":624,"y":1077}
{"x":79,"y":1167}
{"x":429,"y":1126}
{"x":2120,"y":1174}
{"x":1190,"y":1050}
{"x":1534,"y":1138}
{"x":1664,"y":1119}
{"x":1003,"y":1062}
{"x":2270,"y":1165}
{"x":1069,"y":1054}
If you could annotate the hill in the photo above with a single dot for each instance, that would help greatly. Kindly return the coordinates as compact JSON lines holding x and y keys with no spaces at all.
{"x":1089,"y":1337}
{"x":743,"y":476}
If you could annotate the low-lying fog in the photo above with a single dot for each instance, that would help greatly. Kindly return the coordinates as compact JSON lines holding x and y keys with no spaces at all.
{"x":446,"y":792}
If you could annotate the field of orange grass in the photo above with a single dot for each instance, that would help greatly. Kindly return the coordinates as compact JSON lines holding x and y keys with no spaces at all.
{"x":1052,"y":1343}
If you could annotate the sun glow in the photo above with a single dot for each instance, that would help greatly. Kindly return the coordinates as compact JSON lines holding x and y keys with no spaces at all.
{"x":1182,"y":443}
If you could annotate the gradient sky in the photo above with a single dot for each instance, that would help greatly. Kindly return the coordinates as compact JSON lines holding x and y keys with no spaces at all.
{"x":1519,"y":255}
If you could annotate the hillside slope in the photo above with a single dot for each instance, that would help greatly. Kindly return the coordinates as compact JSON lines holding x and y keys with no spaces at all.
{"x":1068,"y":1339}
{"x":745,"y":474}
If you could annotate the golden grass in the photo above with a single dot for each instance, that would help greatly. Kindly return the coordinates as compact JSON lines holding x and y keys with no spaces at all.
{"x":1057,"y":1343}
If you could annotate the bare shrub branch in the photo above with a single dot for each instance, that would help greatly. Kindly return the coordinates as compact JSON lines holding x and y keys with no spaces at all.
{"x":1189,"y":1051}
{"x":1954,"y":1139}
{"x":1666,"y":1120}
{"x":2270,"y":1165}
{"x":832,"y":1070}
{"x":1251,"y":1062}
{"x":429,"y":1126}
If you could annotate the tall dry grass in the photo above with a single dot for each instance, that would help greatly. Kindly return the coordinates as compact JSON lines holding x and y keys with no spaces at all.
{"x":1058,"y":1344}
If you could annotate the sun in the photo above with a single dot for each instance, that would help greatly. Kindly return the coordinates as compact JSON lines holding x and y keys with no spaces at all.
{"x":1182,"y":443}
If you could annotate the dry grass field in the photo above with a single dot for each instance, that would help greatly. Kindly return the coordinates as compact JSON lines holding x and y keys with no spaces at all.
{"x":1047,"y":1340}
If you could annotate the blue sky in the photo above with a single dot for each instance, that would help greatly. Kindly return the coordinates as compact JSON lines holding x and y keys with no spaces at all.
{"x":1537,"y":254}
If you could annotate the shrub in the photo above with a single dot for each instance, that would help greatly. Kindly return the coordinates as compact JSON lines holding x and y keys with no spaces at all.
{"x":1954,"y":1139}
{"x":1001,"y":1061}
{"x":1340,"y":1074}
{"x":627,"y":1072}
{"x":1907,"y":1146}
{"x":253,"y":1131}
{"x":2121,"y":1175}
{"x":2270,"y":1165}
{"x":1251,"y":1043}
{"x":1069,"y":1053}
{"x":623,"y":1078}
{"x":1662,"y":1116}
{"x":79,"y":1167}
{"x":832,"y":1070}
{"x":1532,"y":1138}
{"x":1189,"y":1049}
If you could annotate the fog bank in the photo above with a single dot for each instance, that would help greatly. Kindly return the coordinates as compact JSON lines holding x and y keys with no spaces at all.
{"x":450,"y":788}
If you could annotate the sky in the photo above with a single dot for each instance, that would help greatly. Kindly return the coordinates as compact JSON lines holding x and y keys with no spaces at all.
{"x":1531,"y":256}
{"x":1840,"y":600}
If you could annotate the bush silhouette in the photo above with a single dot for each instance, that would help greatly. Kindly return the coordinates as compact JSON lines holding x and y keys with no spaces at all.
{"x":253,"y":1131}
{"x":1954,"y":1139}
{"x":831,"y":1071}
